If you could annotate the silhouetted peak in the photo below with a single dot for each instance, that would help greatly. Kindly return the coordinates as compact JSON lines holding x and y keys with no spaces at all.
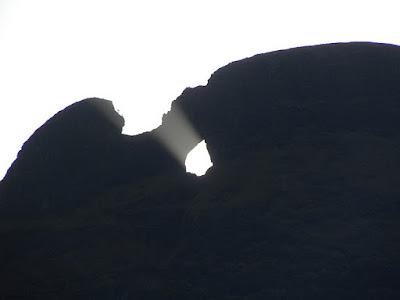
{"x":68,"y":152}
{"x":81,"y":150}
{"x":274,"y":98}
{"x":70,"y":131}
{"x":88,"y":117}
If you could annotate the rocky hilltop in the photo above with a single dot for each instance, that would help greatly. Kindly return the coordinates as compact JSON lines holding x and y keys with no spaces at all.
{"x":302,"y":200}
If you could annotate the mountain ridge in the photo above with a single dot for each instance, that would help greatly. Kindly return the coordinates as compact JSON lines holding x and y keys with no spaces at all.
{"x":301,"y":201}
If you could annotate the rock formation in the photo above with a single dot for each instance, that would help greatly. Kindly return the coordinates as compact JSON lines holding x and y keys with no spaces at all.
{"x":302,"y":200}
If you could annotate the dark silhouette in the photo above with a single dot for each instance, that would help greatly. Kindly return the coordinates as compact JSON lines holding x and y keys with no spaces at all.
{"x":302,"y":200}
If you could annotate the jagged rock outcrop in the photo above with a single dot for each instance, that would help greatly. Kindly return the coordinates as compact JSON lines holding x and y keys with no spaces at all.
{"x":271,"y":99}
{"x":302,"y":200}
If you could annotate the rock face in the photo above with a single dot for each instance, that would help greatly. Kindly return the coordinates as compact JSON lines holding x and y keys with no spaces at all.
{"x":302,"y":200}
{"x":68,"y":150}
{"x":273,"y":98}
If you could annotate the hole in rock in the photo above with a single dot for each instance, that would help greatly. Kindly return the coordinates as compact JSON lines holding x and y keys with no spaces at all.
{"x":198,"y":160}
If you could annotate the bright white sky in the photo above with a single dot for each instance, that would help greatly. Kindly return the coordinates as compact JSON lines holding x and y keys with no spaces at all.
{"x":142,"y":54}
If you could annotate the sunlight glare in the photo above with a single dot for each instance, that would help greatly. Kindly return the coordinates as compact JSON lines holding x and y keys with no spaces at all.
{"x":198,"y":160}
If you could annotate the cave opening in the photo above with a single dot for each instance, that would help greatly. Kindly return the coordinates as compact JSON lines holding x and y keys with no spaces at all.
{"x":198,"y":160}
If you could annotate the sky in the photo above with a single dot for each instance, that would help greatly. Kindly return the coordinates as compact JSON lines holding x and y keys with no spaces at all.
{"x":143,"y":54}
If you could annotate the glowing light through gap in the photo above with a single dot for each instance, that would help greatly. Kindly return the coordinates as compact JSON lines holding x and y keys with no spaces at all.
{"x":177,"y":134}
{"x":198,"y":160}
{"x":183,"y":142}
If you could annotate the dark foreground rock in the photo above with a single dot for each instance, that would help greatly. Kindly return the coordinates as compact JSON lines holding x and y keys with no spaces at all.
{"x":302,"y":201}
